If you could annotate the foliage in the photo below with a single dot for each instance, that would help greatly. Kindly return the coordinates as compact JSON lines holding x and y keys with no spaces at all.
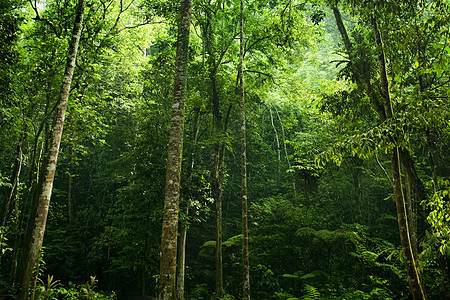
{"x":317,"y":230}
{"x":53,"y":289}
{"x":438,"y":208}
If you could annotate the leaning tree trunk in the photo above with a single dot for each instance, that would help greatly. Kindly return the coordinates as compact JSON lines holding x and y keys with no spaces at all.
{"x":30,"y":257}
{"x":168,"y":262}
{"x":362,"y":77}
{"x":410,"y":261}
{"x":385,"y":112}
{"x":245,"y":259}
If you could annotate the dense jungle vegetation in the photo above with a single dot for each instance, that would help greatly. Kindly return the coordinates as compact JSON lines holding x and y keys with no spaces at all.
{"x":315,"y":149}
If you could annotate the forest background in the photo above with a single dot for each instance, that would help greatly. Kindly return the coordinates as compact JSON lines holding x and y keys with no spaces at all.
{"x":336,"y":93}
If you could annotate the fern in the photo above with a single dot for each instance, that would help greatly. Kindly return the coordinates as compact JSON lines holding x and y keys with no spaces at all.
{"x":209,"y":246}
{"x":311,"y":293}
{"x":325,"y":235}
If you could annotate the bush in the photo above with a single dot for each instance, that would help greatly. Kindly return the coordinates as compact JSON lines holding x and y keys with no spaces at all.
{"x":52,"y":289}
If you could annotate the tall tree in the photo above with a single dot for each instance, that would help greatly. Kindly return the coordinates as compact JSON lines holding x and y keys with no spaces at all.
{"x":410,"y":260}
{"x":215,"y":19}
{"x":31,"y":254}
{"x":168,"y":262}
{"x":245,"y":258}
{"x":184,"y":224}
{"x":380,"y":98}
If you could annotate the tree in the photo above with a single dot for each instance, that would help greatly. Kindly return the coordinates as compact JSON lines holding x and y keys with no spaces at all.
{"x":31,"y":254}
{"x":244,"y":193}
{"x":327,"y":231}
{"x":168,"y":263}
{"x":371,"y":75}
{"x":410,"y":260}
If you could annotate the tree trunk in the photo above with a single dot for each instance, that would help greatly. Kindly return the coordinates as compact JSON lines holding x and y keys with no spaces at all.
{"x":16,"y":175}
{"x":362,"y":76}
{"x":25,"y":209}
{"x":385,"y":111}
{"x":219,"y":202}
{"x":30,"y":258}
{"x":70,"y":204}
{"x":410,"y":205}
{"x":245,"y":258}
{"x":216,"y":180}
{"x":181,"y":266}
{"x":410,"y":170}
{"x":410,"y":262}
{"x":5,"y":213}
{"x":219,"y":267}
{"x":168,"y":260}
{"x":216,"y":185}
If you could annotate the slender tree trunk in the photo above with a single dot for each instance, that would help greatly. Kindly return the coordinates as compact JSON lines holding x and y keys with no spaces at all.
{"x":25,"y":209}
{"x":294,"y":189}
{"x":342,"y":30}
{"x":410,"y":205}
{"x":363,"y":75}
{"x":219,"y":203}
{"x":213,"y":63}
{"x":69,"y":199}
{"x":70,"y":203}
{"x":30,"y":258}
{"x":168,"y":260}
{"x":17,"y":239}
{"x":410,"y":170}
{"x":181,"y":266}
{"x":219,"y":266}
{"x":358,"y":188}
{"x":217,"y":186}
{"x":216,"y":180}
{"x":245,"y":258}
{"x":5,"y":213}
{"x":276,"y":134}
{"x":410,"y":261}
{"x":16,"y":175}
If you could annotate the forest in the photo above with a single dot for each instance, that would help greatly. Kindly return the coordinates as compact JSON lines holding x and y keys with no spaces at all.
{"x":225,"y":149}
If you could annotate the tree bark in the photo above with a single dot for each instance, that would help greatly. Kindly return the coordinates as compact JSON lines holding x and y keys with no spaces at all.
{"x":245,"y":255}
{"x":168,"y":262}
{"x":30,"y":258}
{"x":216,"y":174}
{"x":410,"y":261}
{"x":181,"y":266}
